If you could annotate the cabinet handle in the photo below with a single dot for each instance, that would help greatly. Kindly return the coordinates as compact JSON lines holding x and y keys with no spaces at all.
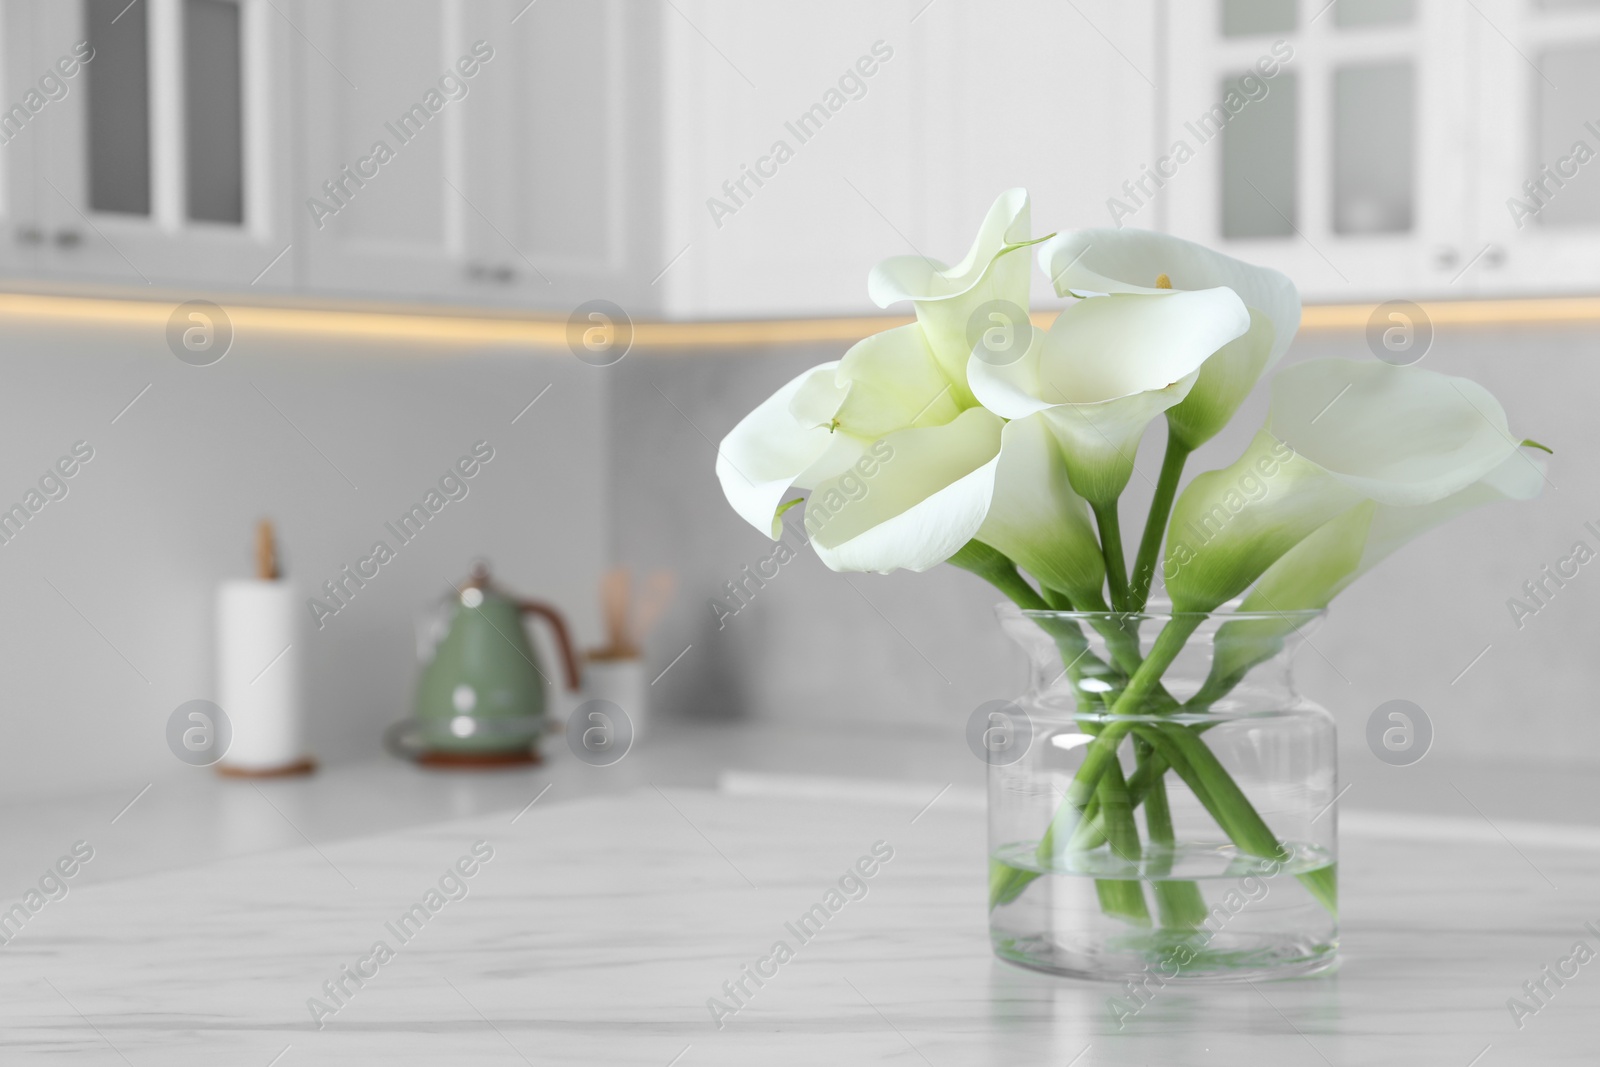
{"x":1445,"y":258}
{"x":1495,"y":256}
{"x":30,"y":235}
{"x":68,"y":238}
{"x":486,"y":272}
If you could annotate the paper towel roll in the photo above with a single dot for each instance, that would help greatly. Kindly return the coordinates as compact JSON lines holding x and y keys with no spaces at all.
{"x":259,"y":645}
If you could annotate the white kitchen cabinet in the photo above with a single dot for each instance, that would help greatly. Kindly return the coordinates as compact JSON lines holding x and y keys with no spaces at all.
{"x":538,"y":155}
{"x":1536,"y":186}
{"x":963,"y":101}
{"x":571,"y":200}
{"x":384,"y":199}
{"x":1323,"y":139}
{"x":518,"y":150}
{"x":1386,"y":157}
{"x":163,"y":160}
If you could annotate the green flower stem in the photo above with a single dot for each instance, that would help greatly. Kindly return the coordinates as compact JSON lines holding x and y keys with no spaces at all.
{"x":1123,"y":646}
{"x":1006,"y":883}
{"x":998,"y":570}
{"x":1090,"y":831}
{"x":1105,"y":517}
{"x":1122,"y":897}
{"x":1198,"y":766}
{"x":1179,"y":904}
{"x":1155,"y":527}
{"x":1102,"y":751}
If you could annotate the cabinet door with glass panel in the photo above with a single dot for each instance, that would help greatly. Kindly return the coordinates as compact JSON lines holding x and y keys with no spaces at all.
{"x":1324,"y":138}
{"x":1536,"y":218}
{"x":163,"y":159}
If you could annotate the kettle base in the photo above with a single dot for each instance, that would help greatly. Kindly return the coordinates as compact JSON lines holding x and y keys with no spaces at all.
{"x":480,"y":760}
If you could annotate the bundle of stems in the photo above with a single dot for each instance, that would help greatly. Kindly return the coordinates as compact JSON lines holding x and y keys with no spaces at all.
{"x":1127,"y":702}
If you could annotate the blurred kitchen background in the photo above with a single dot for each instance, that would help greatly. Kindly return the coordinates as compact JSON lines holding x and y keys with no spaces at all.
{"x":382,"y":312}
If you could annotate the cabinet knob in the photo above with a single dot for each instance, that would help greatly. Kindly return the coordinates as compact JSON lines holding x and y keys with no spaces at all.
{"x":1444,"y":258}
{"x":1494,"y":256}
{"x":68,"y":238}
{"x":30,"y":235}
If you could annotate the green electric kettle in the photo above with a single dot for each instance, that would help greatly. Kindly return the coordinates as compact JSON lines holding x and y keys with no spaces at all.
{"x":481,"y":699}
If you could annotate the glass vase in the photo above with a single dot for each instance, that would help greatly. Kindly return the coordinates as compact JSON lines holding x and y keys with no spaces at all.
{"x":1161,"y":811}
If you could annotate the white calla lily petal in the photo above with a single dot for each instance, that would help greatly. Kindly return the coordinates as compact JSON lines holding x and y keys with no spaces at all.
{"x":1089,"y":262}
{"x":1104,"y":369}
{"x":893,"y":382}
{"x":842,"y":453}
{"x":994,"y":269}
{"x":1011,"y":390}
{"x":918,"y":278}
{"x":761,"y":457}
{"x":1518,"y":477}
{"x":1399,"y":435}
{"x":819,"y":398}
{"x":1036,"y":519}
{"x":1108,"y":347}
{"x":923,"y":503}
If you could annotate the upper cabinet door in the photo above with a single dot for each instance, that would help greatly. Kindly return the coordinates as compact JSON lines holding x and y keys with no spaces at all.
{"x":21,"y":237}
{"x":162,"y":158}
{"x":1536,"y":217}
{"x":1323,"y":139}
{"x":388,"y":200}
{"x":793,"y":148}
{"x":566,"y":160}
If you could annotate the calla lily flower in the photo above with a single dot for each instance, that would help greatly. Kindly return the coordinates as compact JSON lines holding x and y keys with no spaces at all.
{"x":1319,"y":568}
{"x":900,"y":475}
{"x":904,"y":469}
{"x":1104,"y":369}
{"x":1339,"y":432}
{"x":1322,"y":566}
{"x":947,"y":297}
{"x":1094,"y":262}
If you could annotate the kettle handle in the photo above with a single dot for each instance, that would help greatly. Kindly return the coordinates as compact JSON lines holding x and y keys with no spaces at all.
{"x":569,"y":658}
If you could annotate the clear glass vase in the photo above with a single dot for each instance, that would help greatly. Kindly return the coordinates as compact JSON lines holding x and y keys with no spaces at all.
{"x":1151,"y":825}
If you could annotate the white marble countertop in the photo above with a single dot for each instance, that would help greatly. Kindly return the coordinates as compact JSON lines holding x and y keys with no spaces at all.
{"x":614,"y":908}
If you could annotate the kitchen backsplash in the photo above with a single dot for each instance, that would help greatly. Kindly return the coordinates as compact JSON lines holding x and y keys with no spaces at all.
{"x":107,"y":590}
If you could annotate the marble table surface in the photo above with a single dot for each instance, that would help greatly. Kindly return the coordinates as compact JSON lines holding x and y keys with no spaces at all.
{"x":595,"y":926}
